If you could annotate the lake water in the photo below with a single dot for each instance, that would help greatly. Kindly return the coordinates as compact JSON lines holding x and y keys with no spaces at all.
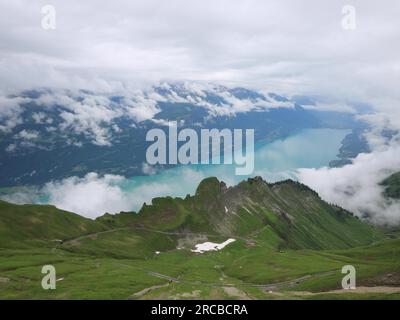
{"x":93,"y":195}
{"x":311,"y":148}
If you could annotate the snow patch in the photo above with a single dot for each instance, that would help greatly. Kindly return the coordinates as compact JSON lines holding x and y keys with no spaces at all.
{"x":211,"y":246}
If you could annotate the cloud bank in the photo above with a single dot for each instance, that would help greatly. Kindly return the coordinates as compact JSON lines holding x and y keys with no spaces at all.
{"x":93,"y":195}
{"x":356,"y":187}
{"x":292,"y":46}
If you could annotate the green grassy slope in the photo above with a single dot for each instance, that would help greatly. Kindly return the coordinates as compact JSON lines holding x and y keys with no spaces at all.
{"x":288,"y":213}
{"x":288,"y":241}
{"x":27,"y":225}
{"x":284,"y":215}
{"x":236,"y":272}
{"x":392,"y":186}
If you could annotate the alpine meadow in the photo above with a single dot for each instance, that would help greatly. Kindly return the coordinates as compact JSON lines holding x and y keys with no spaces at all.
{"x":189,"y":153}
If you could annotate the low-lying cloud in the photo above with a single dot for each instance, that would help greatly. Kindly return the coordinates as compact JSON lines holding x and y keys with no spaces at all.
{"x":93,"y":195}
{"x":356,"y":187}
{"x":89,"y":196}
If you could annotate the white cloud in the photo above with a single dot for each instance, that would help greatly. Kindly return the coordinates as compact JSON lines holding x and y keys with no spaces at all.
{"x":10,"y":111}
{"x":94,"y":195}
{"x":39,"y":117}
{"x":356,"y":187}
{"x":93,"y":114}
{"x":290,"y":46}
{"x":141,"y":107}
{"x":89,"y":196}
{"x":87,"y":116}
{"x":11,"y":147}
{"x":27,"y":135}
{"x":339,"y":107}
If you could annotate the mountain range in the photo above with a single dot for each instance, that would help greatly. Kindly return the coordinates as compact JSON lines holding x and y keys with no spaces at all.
{"x":53,"y":134}
{"x":276,"y":240}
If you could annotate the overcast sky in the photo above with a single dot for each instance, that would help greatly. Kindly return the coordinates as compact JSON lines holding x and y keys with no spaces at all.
{"x":286,"y":46}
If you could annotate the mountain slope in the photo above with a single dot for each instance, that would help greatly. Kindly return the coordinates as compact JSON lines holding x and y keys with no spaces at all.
{"x":288,"y":214}
{"x":392,"y":186}
{"x":22,"y":224}
{"x":148,"y":255}
{"x":55,"y":135}
{"x":284,"y":215}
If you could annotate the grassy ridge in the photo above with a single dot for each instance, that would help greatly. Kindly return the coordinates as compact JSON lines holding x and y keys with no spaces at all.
{"x":28,"y":225}
{"x":290,"y":213}
{"x":288,"y":241}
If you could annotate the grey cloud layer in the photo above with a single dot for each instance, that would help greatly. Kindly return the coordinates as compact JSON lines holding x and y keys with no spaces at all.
{"x":287,"y":46}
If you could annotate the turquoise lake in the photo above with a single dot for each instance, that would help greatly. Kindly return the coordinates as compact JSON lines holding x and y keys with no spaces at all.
{"x":94,"y":195}
{"x":311,"y":148}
